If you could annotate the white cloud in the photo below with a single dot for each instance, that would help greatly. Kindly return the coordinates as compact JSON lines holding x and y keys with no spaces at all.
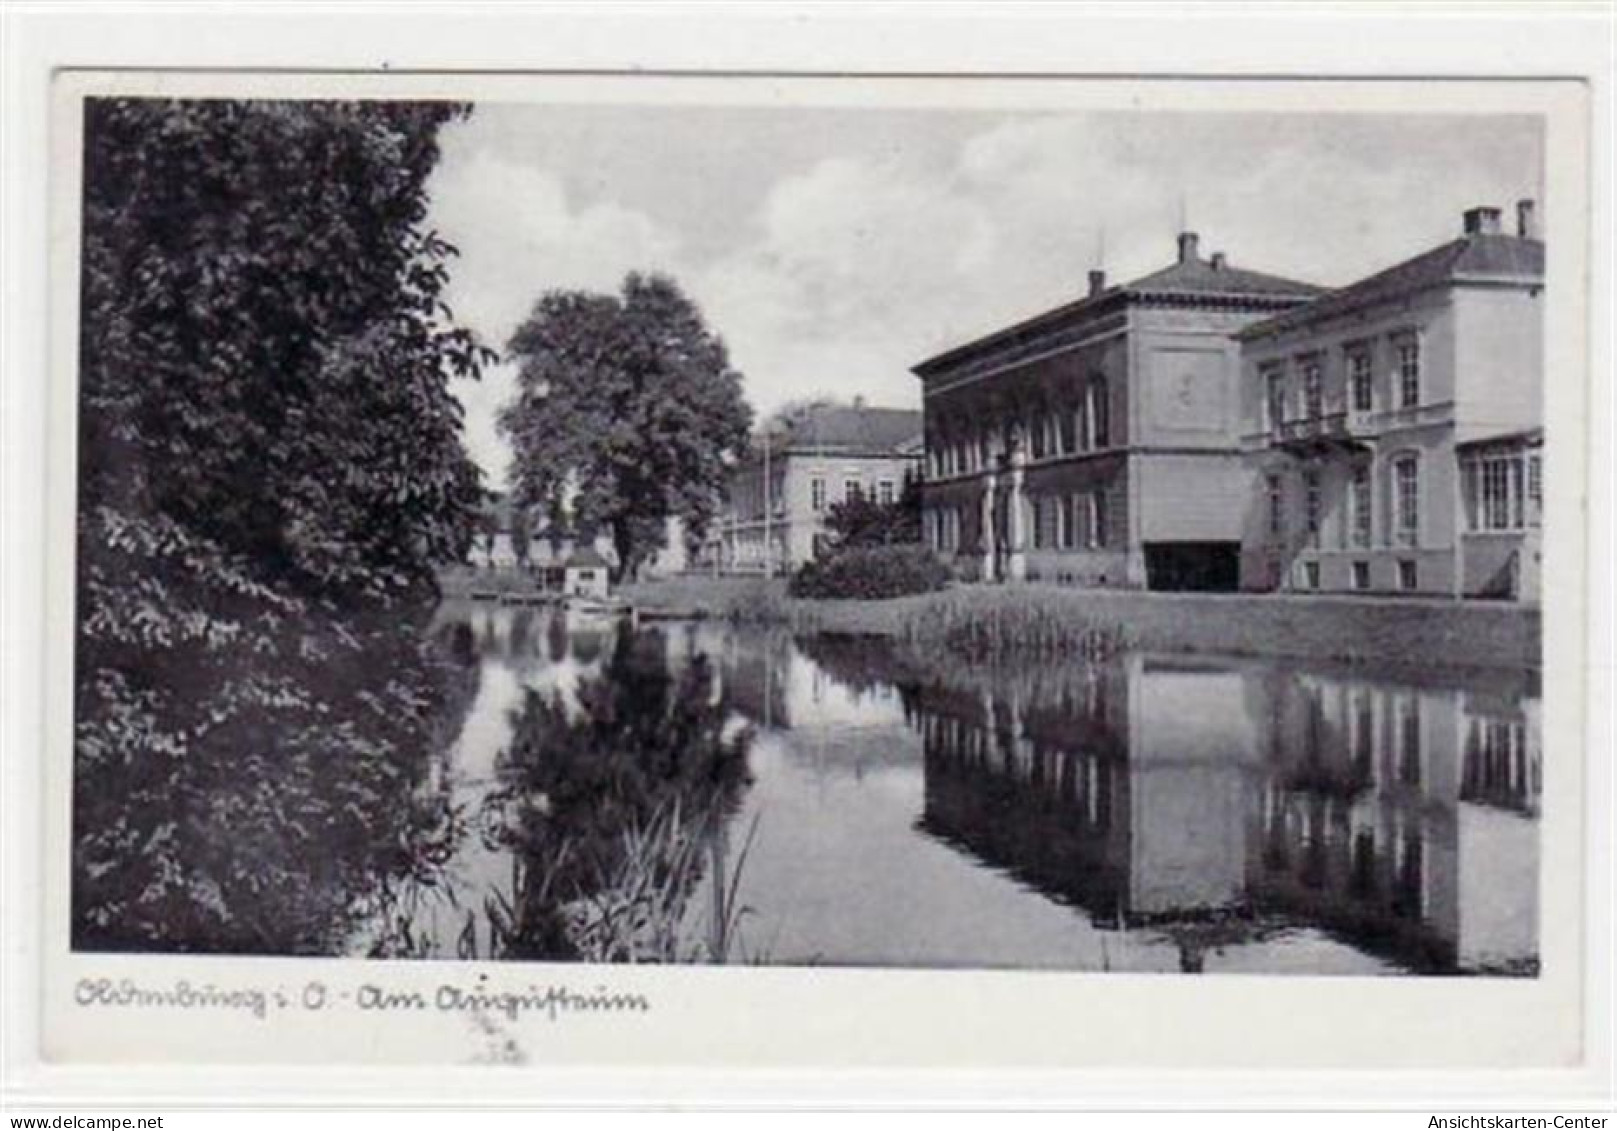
{"x":519,"y":236}
{"x":846,"y":268}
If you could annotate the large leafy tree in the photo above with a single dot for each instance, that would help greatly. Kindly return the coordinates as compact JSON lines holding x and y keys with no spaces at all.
{"x":270,"y":468}
{"x":627,"y":413}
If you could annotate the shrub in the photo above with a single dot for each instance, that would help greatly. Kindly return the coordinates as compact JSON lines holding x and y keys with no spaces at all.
{"x":871,"y":572}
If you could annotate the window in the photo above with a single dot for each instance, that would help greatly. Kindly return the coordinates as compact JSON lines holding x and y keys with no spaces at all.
{"x":1068,"y":424}
{"x":1080,"y":420}
{"x":1406,"y":495}
{"x":1408,"y":576}
{"x":851,"y":490}
{"x":1359,"y":500}
{"x":1311,"y":575}
{"x":1036,"y":436}
{"x":1097,"y":519}
{"x":1361,"y":575}
{"x":1277,"y":505}
{"x":1408,"y":372}
{"x":1274,"y":388}
{"x":1360,"y":391}
{"x":884,"y":492}
{"x":1535,"y":492}
{"x":1099,"y":415}
{"x":1066,"y":510}
{"x":1313,"y":390}
{"x":1409,"y":741}
{"x":1496,"y":494}
{"x":1311,"y":506}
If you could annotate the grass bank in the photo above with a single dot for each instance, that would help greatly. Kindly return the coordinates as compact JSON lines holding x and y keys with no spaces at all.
{"x":1045,"y":620}
{"x":465,"y":581}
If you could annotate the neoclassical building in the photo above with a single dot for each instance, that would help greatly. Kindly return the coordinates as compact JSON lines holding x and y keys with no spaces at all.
{"x":1393,"y":428}
{"x":1099,"y":443}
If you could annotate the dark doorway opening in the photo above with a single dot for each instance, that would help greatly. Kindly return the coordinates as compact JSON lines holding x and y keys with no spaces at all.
{"x":1211,"y":567}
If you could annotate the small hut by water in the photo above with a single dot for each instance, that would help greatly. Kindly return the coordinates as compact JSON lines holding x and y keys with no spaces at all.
{"x":586,"y":574}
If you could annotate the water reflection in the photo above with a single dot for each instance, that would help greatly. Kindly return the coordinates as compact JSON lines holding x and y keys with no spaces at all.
{"x":600,"y":768}
{"x":1217,"y":801}
{"x":534,"y":785}
{"x":1142,"y":813}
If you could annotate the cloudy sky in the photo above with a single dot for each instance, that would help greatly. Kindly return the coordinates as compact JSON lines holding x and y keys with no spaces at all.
{"x":833,"y":249}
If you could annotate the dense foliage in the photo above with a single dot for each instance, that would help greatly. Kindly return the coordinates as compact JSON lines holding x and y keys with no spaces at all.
{"x":627,"y":413}
{"x":871,"y":572}
{"x":606,"y":802}
{"x":270,"y":466}
{"x":863,"y":521}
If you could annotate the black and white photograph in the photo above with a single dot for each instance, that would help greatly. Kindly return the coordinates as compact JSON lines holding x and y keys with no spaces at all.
{"x":811,"y":556}
{"x":1105,"y":541}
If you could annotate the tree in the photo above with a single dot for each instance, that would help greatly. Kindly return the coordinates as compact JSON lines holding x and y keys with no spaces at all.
{"x":521,"y":533}
{"x":862,"y":521}
{"x":627,"y":412}
{"x":270,"y":469}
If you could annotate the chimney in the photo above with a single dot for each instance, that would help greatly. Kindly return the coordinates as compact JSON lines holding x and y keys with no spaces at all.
{"x":1217,"y":261}
{"x":1482,"y":222}
{"x":859,"y":400}
{"x":1097,"y":283}
{"x":1526,"y":220}
{"x":1187,"y":247}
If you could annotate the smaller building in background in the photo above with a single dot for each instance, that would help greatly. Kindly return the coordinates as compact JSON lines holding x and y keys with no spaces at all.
{"x":774,"y":518}
{"x":674,"y":557}
{"x":586,"y":573}
{"x":1392,"y":427}
{"x":503,"y":543}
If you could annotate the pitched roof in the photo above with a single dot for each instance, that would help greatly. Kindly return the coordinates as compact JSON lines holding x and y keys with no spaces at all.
{"x":585,"y":557}
{"x":1481,"y":256}
{"x":1200,"y":277}
{"x":1188,"y":278}
{"x":849,"y":428}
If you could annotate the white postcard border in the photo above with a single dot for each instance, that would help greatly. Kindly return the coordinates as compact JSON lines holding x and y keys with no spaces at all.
{"x":991,"y":1030}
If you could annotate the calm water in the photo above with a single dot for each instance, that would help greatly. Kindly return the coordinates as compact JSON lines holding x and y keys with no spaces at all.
{"x":696,"y":792}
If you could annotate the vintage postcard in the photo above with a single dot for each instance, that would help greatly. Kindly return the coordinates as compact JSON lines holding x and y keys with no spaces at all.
{"x":874,"y":571}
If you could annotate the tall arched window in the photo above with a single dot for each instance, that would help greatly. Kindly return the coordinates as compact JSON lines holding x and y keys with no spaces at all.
{"x":1100,"y":429}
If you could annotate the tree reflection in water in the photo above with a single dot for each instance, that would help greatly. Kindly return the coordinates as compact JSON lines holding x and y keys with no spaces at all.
{"x":611,"y":806}
{"x":296,"y":797}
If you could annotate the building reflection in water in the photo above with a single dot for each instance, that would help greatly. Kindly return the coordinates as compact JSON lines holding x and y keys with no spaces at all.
{"x":1167,"y":793}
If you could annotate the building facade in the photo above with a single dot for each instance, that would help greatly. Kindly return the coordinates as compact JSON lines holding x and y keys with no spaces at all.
{"x":774,"y":517}
{"x":1099,"y":443}
{"x":1392,"y":427}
